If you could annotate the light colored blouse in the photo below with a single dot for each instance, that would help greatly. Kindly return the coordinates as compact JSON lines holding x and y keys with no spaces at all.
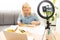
{"x":28,"y":19}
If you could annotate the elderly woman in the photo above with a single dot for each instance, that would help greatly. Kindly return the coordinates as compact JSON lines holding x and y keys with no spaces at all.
{"x":27,"y":17}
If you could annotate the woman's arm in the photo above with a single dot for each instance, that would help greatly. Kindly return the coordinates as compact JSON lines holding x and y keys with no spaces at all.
{"x":19,"y":21}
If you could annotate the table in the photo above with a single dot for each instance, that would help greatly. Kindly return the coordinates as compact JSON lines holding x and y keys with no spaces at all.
{"x":34,"y":33}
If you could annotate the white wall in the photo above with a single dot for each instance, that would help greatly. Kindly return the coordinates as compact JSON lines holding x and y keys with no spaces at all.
{"x":58,"y":5}
{"x":13,"y":5}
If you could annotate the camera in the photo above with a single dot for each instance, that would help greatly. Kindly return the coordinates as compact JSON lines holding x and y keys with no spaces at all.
{"x":47,"y":8}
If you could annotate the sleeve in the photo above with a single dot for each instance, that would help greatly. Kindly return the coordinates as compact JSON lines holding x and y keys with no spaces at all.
{"x":19,"y":18}
{"x":35,"y":17}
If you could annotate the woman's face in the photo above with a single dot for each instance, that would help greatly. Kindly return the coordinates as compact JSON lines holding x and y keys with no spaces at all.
{"x":26,"y":9}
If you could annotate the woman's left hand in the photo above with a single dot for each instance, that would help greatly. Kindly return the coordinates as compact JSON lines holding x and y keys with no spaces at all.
{"x":35,"y":22}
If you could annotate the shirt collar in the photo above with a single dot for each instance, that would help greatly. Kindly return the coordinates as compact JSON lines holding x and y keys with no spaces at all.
{"x":27,"y":16}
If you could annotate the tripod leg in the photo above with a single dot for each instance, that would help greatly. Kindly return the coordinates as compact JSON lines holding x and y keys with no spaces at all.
{"x":48,"y":35}
{"x":53,"y":36}
{"x":44,"y":34}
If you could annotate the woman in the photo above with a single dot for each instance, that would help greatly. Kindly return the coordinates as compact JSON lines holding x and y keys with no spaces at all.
{"x":27,"y":17}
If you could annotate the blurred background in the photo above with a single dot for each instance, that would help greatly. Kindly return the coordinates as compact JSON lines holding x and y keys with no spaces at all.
{"x":15,"y":5}
{"x":10,"y":9}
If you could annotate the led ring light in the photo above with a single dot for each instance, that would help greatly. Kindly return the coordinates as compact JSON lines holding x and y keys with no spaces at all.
{"x":39,"y":13}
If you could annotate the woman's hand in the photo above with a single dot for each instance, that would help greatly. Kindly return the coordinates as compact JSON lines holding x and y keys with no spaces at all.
{"x":35,"y":22}
{"x":19,"y":23}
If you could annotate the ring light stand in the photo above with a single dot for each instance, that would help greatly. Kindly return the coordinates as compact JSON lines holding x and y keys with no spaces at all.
{"x":46,"y":17}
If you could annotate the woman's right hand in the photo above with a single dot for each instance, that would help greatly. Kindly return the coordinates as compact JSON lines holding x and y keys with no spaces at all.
{"x":35,"y":22}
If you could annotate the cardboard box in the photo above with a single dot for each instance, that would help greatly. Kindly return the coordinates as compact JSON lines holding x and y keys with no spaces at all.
{"x":12,"y":36}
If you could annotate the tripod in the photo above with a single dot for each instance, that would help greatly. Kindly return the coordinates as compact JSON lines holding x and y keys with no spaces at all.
{"x":49,"y":32}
